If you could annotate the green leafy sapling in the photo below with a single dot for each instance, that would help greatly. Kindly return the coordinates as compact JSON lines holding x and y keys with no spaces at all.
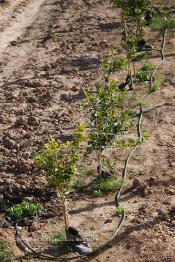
{"x":132,"y":39}
{"x":59,"y":161}
{"x":129,"y":43}
{"x":108,"y":118}
{"x":110,"y":65}
{"x":135,"y":9}
{"x":143,"y":75}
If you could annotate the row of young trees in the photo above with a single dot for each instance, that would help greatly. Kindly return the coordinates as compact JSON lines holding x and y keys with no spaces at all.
{"x":110,"y":110}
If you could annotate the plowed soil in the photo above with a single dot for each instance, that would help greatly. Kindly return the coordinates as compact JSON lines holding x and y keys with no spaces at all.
{"x":50,"y":51}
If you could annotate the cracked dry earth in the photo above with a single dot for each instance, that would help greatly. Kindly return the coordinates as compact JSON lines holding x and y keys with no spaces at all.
{"x":50,"y":51}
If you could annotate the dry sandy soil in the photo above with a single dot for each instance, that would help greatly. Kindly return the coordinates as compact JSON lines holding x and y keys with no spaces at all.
{"x":50,"y":50}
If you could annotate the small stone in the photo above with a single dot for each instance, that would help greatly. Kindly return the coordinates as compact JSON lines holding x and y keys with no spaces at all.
{"x":152,"y":181}
{"x":13,"y":43}
{"x":163,"y":216}
{"x":170,"y":191}
{"x":32,"y":234}
{"x":33,"y":121}
{"x":136,"y":183}
{"x":26,"y":155}
{"x":108,"y":220}
{"x":27,"y":222}
{"x":27,"y":136}
{"x":7,"y":181}
{"x":29,"y":199}
{"x":46,"y":67}
{"x":75,"y":88}
{"x":55,"y":26}
{"x":17,"y":187}
{"x":9,"y":143}
{"x":154,"y":214}
{"x":23,"y":187}
{"x":31,"y":99}
{"x":20,"y":121}
{"x":34,"y":227}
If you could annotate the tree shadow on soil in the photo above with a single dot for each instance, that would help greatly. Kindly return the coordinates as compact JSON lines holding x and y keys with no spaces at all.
{"x":81,"y":63}
{"x":51,"y":253}
{"x":123,"y":235}
{"x":85,"y":63}
{"x":90,"y":207}
{"x":73,"y":97}
{"x":57,"y":251}
{"x":109,"y":26}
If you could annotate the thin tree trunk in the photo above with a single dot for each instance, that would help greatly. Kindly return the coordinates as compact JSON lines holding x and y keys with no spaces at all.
{"x":99,"y":162}
{"x":65,"y":213}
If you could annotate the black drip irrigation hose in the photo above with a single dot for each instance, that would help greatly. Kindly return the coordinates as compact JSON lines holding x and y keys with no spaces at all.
{"x":19,"y":239}
{"x":158,"y":65}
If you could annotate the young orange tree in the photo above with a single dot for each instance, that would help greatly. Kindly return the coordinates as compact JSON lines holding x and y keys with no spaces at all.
{"x":59,"y":161}
{"x":107,"y":117}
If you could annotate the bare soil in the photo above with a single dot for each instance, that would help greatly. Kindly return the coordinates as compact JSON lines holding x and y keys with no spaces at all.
{"x":50,"y":51}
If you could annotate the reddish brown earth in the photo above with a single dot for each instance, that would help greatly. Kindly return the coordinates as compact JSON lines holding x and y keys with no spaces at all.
{"x":49,"y":52}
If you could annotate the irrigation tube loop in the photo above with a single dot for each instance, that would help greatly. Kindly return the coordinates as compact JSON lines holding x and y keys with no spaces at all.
{"x":19,"y":239}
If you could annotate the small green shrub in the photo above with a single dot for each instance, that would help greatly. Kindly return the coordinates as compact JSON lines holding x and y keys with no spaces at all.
{"x":5,"y":253}
{"x":86,"y":172}
{"x":120,"y":211}
{"x":59,"y":161}
{"x":97,"y":193}
{"x":162,"y":23}
{"x":143,"y":75}
{"x":102,"y":186}
{"x":58,"y":238}
{"x":81,"y":177}
{"x":109,"y":65}
{"x":139,"y":57}
{"x":25,"y":209}
{"x":155,"y":86}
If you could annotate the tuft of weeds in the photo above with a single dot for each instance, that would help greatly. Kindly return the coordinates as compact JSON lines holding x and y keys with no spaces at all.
{"x":58,"y":238}
{"x":5,"y":253}
{"x":3,"y":206}
{"x":109,"y":65}
{"x":162,"y":23}
{"x":86,"y":172}
{"x":139,"y":57}
{"x":155,"y":86}
{"x":104,"y":185}
{"x":97,"y":193}
{"x":120,"y":211}
{"x":82,"y":177}
{"x":143,"y":75}
{"x":25,"y":209}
